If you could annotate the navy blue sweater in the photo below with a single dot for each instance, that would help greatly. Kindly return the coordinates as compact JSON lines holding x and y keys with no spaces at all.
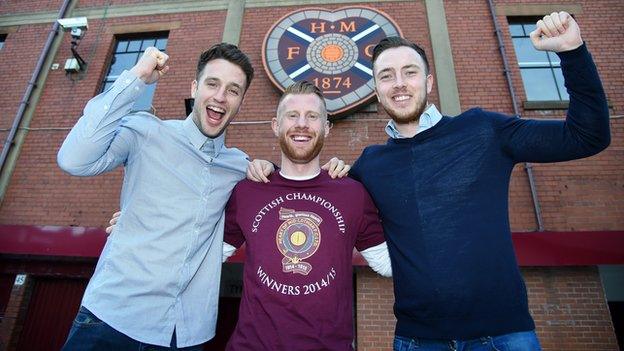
{"x":442,"y":197}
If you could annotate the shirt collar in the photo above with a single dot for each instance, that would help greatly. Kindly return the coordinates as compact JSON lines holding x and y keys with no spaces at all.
{"x":199,"y":140}
{"x":428,"y":119}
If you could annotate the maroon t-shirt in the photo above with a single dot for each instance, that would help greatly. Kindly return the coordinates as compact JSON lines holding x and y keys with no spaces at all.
{"x":297,"y":280}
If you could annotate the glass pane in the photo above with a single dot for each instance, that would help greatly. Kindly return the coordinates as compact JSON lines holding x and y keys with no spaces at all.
{"x":135,"y":45}
{"x":529,"y":27}
{"x":516,"y":30}
{"x":539,"y":84}
{"x":554,"y":59}
{"x":107,"y":85}
{"x":147,"y":43}
{"x":144,"y":102}
{"x":122,"y":62}
{"x":562,"y":89}
{"x":122,"y":45}
{"x":527,"y":55}
{"x":161,"y":44}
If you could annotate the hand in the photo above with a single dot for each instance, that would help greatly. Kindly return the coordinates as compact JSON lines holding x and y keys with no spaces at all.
{"x":151,"y":66}
{"x":336,"y":168}
{"x":259,"y":170}
{"x":556,"y":32}
{"x":113,"y":222}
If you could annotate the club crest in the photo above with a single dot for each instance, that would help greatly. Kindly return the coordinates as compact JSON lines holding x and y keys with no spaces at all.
{"x":298,"y":238}
{"x":331,"y":49}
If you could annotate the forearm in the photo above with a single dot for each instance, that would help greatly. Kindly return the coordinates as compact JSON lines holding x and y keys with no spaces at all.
{"x":588,"y":113}
{"x":90,"y":139}
{"x":585,"y":131}
{"x":378,"y":259}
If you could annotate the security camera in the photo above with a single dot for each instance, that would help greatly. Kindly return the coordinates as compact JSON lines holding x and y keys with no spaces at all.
{"x":74,"y":23}
{"x":76,"y":26}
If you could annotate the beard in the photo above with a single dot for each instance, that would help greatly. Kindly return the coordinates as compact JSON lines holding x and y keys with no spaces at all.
{"x":301,"y":156}
{"x":411,"y":115}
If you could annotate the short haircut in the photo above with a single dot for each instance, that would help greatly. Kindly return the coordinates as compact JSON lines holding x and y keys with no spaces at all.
{"x":228,"y":52}
{"x":301,"y":88}
{"x":395,"y":42}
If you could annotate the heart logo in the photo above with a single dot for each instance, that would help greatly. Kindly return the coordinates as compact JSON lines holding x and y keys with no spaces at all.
{"x":331,"y":49}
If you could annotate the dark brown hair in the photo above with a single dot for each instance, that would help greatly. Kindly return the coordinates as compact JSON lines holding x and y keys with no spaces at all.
{"x":395,"y":42}
{"x":228,"y":52}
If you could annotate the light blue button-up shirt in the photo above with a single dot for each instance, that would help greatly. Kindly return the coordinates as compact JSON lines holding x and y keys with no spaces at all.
{"x":160,"y":268}
{"x":428,"y":119}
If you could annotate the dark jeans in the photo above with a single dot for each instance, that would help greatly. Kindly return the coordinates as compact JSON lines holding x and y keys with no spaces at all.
{"x":523,"y":341}
{"x":89,"y":333}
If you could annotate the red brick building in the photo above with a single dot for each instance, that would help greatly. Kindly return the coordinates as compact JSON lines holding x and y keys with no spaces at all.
{"x":569,"y":236}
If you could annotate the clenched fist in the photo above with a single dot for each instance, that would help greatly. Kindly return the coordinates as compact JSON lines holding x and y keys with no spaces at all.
{"x":556,"y":32}
{"x":151,"y":66}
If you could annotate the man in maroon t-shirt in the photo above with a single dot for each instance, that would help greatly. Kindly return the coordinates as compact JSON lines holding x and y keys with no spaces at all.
{"x":300,"y":230}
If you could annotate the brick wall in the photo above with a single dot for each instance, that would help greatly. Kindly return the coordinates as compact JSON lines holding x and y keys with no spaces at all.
{"x":15,"y":315}
{"x":566,"y":303}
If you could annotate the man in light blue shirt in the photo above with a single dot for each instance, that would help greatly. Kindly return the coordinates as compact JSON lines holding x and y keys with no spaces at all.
{"x":157,"y":280}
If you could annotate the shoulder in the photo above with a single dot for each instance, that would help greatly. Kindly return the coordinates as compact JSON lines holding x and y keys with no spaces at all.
{"x":478,"y":117}
{"x":141,"y":121}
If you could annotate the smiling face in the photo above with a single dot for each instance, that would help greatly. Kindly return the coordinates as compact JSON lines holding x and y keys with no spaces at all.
{"x":218,"y":95}
{"x":301,"y":126}
{"x":402,"y":83}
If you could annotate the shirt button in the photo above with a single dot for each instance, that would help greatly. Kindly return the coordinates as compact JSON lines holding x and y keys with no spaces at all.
{"x":136,"y":88}
{"x":105,"y":107}
{"x":128,"y":81}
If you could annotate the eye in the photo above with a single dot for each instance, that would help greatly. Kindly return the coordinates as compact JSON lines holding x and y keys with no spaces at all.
{"x":313,"y":117}
{"x":211,"y":84}
{"x":385,"y":77}
{"x":412,"y":73}
{"x":234,"y":92}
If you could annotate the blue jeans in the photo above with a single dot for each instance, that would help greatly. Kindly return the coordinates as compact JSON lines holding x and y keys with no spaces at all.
{"x":522,"y":341}
{"x":89,"y":333}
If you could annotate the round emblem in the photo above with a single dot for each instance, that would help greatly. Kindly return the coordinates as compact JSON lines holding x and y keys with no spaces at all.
{"x":298,"y":238}
{"x":331,"y":49}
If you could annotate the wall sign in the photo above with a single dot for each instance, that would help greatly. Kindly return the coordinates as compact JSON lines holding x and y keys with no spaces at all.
{"x":331,"y":49}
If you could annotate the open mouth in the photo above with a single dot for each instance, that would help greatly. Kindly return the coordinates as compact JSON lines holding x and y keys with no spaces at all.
{"x":300,"y":139}
{"x":401,"y":98}
{"x":215,"y":114}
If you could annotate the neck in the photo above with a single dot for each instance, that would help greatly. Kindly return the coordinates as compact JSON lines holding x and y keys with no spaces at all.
{"x":293,"y":169}
{"x":408,"y":130}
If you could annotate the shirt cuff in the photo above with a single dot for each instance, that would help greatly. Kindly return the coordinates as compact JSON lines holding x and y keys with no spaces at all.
{"x":378,"y":259}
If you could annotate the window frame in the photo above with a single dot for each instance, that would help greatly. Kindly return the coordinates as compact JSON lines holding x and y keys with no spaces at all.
{"x":108,"y":79}
{"x":552,"y":67}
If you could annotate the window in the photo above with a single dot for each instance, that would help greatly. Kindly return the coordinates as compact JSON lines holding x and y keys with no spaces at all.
{"x":128,"y":50}
{"x":540,"y":70}
{"x":2,"y":39}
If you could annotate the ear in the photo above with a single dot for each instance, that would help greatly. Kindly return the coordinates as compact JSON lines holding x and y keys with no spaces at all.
{"x":193,"y":88}
{"x":328,"y":126}
{"x":429,"y":83}
{"x":275,"y":126}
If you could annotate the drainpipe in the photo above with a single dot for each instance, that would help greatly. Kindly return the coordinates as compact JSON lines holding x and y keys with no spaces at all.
{"x":527,"y":166}
{"x":24,"y":104}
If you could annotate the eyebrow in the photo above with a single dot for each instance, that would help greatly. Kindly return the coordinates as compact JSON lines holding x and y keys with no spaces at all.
{"x":219,"y":80}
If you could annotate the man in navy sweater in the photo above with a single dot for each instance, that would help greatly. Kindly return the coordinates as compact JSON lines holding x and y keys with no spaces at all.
{"x":441,"y":186}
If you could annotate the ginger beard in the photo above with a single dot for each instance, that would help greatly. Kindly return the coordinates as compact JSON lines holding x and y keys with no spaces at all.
{"x":304,"y":151}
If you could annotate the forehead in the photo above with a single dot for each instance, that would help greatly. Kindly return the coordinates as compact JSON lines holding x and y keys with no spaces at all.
{"x":305,"y":102}
{"x":225,"y":71}
{"x":396,"y":58}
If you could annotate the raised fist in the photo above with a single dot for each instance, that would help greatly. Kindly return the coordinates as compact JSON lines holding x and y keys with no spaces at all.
{"x":556,"y":32}
{"x":151,"y":66}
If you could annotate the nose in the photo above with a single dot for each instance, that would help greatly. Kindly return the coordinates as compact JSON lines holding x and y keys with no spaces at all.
{"x":399,"y":82}
{"x":302,"y":121}
{"x":219,"y":96}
